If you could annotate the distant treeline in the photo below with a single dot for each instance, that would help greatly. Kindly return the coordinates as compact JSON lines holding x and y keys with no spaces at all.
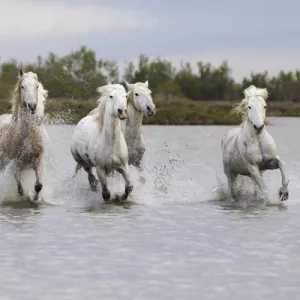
{"x":78,"y":74}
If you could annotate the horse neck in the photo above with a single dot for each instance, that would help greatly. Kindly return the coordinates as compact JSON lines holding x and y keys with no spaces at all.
{"x":134,"y":120}
{"x":111,"y":128}
{"x":26,"y":119}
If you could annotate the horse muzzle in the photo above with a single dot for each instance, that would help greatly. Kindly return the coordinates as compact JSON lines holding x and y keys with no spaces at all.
{"x":258,"y":129}
{"x":31,"y":107}
{"x":122,"y":114}
{"x":150,"y":112}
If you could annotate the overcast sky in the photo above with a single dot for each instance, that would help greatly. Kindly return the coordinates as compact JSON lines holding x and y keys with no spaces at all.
{"x":252,"y":35}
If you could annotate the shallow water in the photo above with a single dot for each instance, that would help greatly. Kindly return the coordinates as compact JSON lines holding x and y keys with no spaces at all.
{"x":169,"y":242}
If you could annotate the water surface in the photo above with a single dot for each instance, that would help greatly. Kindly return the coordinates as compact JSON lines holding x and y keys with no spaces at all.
{"x":170,"y":242}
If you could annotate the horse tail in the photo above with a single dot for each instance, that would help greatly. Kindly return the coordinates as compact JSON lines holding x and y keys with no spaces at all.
{"x":78,"y":167}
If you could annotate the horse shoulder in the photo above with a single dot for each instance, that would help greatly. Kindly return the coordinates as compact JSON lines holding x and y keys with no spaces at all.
{"x":268,"y":146}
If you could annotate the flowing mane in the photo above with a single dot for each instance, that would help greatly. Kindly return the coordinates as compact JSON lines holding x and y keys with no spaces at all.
{"x":15,"y":100}
{"x":42,"y":90}
{"x":251,"y":91}
{"x":102,"y":101}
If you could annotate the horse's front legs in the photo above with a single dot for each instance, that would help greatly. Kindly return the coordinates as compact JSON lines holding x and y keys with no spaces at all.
{"x":274,"y":164}
{"x":124,"y":171}
{"x":17,"y":174}
{"x":257,"y":177}
{"x":283,"y":191}
{"x":231,"y":181}
{"x":103,"y":180}
{"x":38,"y":169}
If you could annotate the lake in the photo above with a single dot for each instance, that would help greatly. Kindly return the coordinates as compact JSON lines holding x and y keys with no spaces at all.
{"x":171,"y":241}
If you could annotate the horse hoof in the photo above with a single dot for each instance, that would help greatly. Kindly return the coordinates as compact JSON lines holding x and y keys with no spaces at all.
{"x":38,"y":187}
{"x":106,"y":195}
{"x":128,"y":189}
{"x":94,"y":186}
{"x":33,"y":196}
{"x":283,"y":196}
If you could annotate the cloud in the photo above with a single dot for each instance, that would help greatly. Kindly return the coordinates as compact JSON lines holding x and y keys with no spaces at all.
{"x":37,"y":19}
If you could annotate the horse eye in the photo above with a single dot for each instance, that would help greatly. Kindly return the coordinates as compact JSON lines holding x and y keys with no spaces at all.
{"x":249,"y":107}
{"x":136,"y":94}
{"x":110,"y":96}
{"x":22,"y":86}
{"x":37,"y":86}
{"x":265,"y":107}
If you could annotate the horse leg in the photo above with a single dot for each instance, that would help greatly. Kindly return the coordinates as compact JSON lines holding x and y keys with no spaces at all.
{"x":136,"y":161}
{"x":274,"y":164}
{"x":128,"y":185}
{"x":231,"y":180}
{"x":257,"y":177}
{"x":103,"y":180}
{"x":38,"y":169}
{"x":17,"y":174}
{"x":92,"y":179}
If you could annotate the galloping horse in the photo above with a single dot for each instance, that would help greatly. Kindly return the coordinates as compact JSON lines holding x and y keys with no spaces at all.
{"x":21,"y":140}
{"x":249,"y":149}
{"x":98,"y":140}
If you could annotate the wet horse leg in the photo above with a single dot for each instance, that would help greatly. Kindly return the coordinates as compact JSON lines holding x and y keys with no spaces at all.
{"x":231,"y":180}
{"x":257,"y":177}
{"x":38,"y":169}
{"x":103,"y":180}
{"x":92,"y":179}
{"x":137,"y":162}
{"x":274,"y":164}
{"x":128,"y":185}
{"x":17,"y":174}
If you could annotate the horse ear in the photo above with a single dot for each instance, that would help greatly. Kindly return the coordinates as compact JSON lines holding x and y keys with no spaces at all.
{"x":128,"y":85}
{"x":265,"y":94}
{"x":21,"y":72}
{"x":146,"y":83}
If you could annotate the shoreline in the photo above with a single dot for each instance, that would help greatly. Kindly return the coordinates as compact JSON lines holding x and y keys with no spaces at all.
{"x":176,"y":112}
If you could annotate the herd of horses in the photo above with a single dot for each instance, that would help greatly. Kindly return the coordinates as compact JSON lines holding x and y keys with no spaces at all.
{"x":110,"y":139}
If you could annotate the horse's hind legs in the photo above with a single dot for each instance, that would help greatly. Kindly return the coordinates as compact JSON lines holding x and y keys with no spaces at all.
{"x":92,"y":179}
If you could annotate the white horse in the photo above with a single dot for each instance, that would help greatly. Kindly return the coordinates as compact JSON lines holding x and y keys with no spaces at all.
{"x":21,"y":140}
{"x":98,"y":140}
{"x":140,"y":103}
{"x":250,"y":150}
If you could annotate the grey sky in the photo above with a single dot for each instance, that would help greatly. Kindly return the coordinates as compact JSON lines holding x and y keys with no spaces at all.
{"x":252,"y":35}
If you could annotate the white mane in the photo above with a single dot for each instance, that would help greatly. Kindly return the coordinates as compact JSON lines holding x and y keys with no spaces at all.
{"x":251,"y":91}
{"x":43,"y":91}
{"x":102,"y":101}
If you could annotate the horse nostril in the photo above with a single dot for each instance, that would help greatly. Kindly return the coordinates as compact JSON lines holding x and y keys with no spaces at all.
{"x":258,"y":128}
{"x":125,"y":111}
{"x":148,"y":108}
{"x":120,"y":111}
{"x":32,"y":106}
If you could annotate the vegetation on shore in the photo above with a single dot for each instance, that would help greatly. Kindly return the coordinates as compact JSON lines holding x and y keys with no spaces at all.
{"x":180,"y":112}
{"x":183,"y":97}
